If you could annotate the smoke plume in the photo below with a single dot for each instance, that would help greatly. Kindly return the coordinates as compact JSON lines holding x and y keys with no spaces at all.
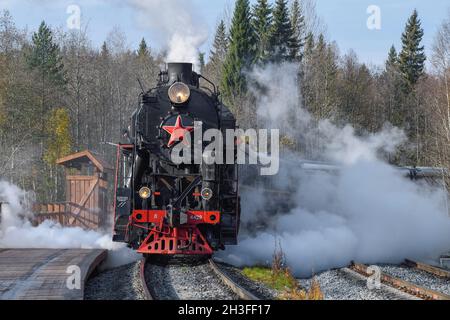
{"x":367,"y":211}
{"x":176,"y":23}
{"x":16,"y":231}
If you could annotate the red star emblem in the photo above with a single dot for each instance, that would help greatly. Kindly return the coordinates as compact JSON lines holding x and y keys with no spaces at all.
{"x":177,"y":132}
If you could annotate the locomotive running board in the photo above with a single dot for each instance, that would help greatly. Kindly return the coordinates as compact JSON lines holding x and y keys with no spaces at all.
{"x":176,"y":241}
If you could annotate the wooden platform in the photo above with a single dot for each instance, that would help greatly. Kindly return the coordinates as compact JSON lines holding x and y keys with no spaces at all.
{"x":41,"y":274}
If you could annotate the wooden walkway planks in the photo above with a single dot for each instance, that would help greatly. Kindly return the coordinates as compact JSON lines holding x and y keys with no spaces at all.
{"x":41,"y":274}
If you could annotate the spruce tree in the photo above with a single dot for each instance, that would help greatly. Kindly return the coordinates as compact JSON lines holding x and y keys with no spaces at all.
{"x":220,"y":46}
{"x":281,"y":33}
{"x":143,"y":50}
{"x":241,"y":54}
{"x":298,"y":29}
{"x":45,"y":56}
{"x":412,"y":57}
{"x":44,"y":59}
{"x":411,"y":66}
{"x":217,"y":55}
{"x":392,"y":60}
{"x":262,"y":23}
{"x":395,"y":111}
{"x":321,"y":45}
{"x":309,"y":44}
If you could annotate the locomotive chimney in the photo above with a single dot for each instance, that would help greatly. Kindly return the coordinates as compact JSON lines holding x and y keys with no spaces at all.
{"x":181,"y":72}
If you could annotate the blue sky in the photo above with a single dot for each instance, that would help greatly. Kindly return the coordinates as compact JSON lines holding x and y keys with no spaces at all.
{"x":345,"y":20}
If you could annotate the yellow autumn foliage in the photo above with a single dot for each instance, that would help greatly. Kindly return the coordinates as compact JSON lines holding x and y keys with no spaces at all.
{"x":59,"y":140}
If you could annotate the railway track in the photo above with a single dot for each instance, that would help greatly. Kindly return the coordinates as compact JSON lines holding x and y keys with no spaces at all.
{"x":347,"y":284}
{"x":44,"y":274}
{"x":438,"y":272}
{"x":416,"y":279}
{"x":180,"y":280}
{"x":207,"y":280}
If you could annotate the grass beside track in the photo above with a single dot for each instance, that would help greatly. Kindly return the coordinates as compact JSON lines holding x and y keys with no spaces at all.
{"x":265,"y":275}
{"x":284,"y":282}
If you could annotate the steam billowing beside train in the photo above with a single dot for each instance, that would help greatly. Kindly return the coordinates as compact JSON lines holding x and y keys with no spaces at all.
{"x":162,"y":207}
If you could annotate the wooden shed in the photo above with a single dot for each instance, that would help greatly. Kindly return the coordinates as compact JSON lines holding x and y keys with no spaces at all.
{"x":86,"y":202}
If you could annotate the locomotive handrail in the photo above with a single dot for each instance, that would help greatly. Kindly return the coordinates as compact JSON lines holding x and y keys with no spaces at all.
{"x":210,"y":82}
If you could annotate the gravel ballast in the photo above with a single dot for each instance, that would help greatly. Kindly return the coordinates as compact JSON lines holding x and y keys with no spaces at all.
{"x":122,"y":283}
{"x":198,"y":281}
{"x":186,"y":282}
{"x":418,"y":277}
{"x":345,"y":284}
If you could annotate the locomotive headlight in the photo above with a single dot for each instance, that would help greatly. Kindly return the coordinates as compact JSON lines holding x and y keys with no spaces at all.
{"x":179,"y":93}
{"x":207,"y":194}
{"x":145,"y":193}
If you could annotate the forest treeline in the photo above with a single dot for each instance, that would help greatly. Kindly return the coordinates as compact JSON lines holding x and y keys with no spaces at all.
{"x":60,"y":94}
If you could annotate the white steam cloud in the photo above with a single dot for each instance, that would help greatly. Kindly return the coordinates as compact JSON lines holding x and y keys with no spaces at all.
{"x":17,"y":232}
{"x":367,"y":211}
{"x":176,"y":23}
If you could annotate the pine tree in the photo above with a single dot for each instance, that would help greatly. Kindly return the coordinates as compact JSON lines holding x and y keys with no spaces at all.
{"x":392,"y":97}
{"x":411,"y":65}
{"x":412,"y":57}
{"x":281,"y":33}
{"x":217,"y":55}
{"x":143,"y":51}
{"x":309,"y":44}
{"x":298,"y":30}
{"x":321,"y":45}
{"x":262,"y":24}
{"x":45,"y":56}
{"x":392,"y":60}
{"x":241,"y":54}
{"x":219,"y":50}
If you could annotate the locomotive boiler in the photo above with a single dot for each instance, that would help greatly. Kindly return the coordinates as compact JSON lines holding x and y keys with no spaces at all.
{"x":162,"y":206}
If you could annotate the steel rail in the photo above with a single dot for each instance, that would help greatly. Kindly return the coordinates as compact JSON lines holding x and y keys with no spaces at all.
{"x":405,"y":286}
{"x":237,"y":289}
{"x":148,"y":295}
{"x":241,"y":292}
{"x":439,"y":272}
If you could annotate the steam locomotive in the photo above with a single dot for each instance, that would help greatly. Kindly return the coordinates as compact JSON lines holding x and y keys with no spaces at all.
{"x":166,"y":208}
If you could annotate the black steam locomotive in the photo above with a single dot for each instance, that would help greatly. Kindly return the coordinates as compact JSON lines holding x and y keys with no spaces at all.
{"x":162,"y":207}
